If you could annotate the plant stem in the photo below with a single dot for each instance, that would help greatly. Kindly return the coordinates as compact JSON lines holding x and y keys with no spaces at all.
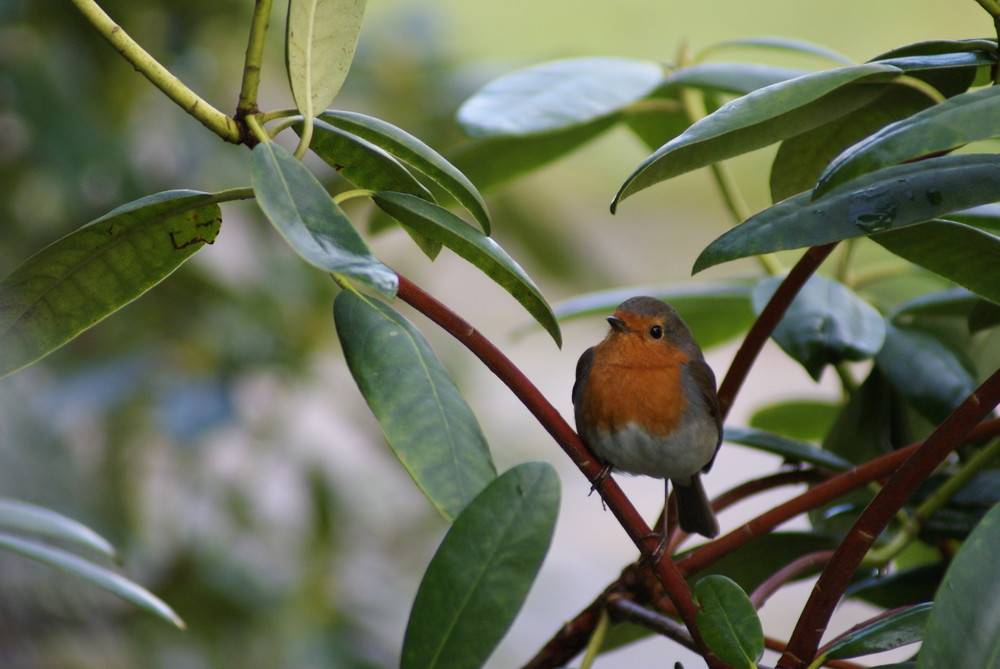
{"x":694,"y":106}
{"x":213,"y":119}
{"x":254,"y":59}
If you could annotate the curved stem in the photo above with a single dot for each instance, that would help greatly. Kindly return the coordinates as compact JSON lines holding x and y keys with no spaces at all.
{"x":213,"y":119}
{"x":254,"y":58}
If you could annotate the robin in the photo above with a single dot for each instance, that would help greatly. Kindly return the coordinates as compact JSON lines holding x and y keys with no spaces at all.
{"x":645,"y":403}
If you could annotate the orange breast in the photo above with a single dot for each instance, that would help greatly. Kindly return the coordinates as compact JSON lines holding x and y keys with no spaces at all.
{"x":639,"y":384}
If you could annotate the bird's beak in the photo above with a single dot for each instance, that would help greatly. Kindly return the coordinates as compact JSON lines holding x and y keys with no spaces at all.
{"x":617,"y":324}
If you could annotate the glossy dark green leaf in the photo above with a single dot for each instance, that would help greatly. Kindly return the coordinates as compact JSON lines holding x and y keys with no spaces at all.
{"x":481,"y":572}
{"x":424,"y":417}
{"x":890,"y":198}
{"x":320,"y":39}
{"x":963,"y":631}
{"x":491,"y":162}
{"x":96,"y":575}
{"x":728,"y":623}
{"x":964,"y":510}
{"x":789,"y":449}
{"x":415,"y":153}
{"x":984,"y":315}
{"x":956,"y":302}
{"x":23,"y":517}
{"x":715,"y":313}
{"x":801,"y":159}
{"x":804,"y":420}
{"x":899,"y":587}
{"x":936,"y":47}
{"x":871,"y":424}
{"x":958,"y":121}
{"x":826,"y":323}
{"x":556,"y":95}
{"x":960,"y":253}
{"x":441,"y":225}
{"x":986,"y":216}
{"x":763,"y":117}
{"x":899,"y":628}
{"x":362,"y":163}
{"x":778,"y":44}
{"x":310,"y":221}
{"x":78,"y":280}
{"x":931,"y":376}
{"x":934,"y":61}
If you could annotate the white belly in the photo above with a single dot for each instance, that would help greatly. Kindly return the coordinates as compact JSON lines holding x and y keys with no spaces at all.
{"x":678,"y":456}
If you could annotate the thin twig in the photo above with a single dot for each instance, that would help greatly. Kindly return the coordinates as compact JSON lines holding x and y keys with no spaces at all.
{"x":789,"y":572}
{"x":254,"y":59}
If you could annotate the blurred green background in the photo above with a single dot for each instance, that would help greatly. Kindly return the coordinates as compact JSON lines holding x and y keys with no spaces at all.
{"x":210,"y":429}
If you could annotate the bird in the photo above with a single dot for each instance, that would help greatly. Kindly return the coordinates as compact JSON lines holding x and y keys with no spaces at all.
{"x":645,"y":403}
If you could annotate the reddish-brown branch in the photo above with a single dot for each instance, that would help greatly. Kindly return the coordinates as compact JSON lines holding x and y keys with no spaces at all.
{"x":835,"y":578}
{"x":789,"y":572}
{"x":767,"y":321}
{"x":553,"y":422}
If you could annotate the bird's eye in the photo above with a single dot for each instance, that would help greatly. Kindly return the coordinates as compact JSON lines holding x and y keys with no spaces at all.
{"x":656,"y":332}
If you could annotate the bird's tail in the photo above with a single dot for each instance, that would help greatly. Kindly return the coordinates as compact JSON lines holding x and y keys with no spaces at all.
{"x":694,"y":512}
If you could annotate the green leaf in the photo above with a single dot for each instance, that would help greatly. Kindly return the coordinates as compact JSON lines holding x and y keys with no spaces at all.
{"x":30,"y":518}
{"x":801,"y":159}
{"x":826,"y":323}
{"x":958,"y":121}
{"x":952,"y":302}
{"x":778,"y":44}
{"x":871,"y":424}
{"x":362,"y":163}
{"x":763,"y":117}
{"x":320,"y":39}
{"x":413,"y":152}
{"x":310,"y":221}
{"x":491,"y":162}
{"x":431,"y":429}
{"x":78,"y":280}
{"x":984,"y":216}
{"x":940,"y":46}
{"x":556,"y":95}
{"x":899,"y":628}
{"x":963,"y":631}
{"x":960,"y":253}
{"x":789,"y":449}
{"x":482,"y":571}
{"x":94,"y":574}
{"x":929,"y":374}
{"x":890,"y":198}
{"x":715,"y":312}
{"x":899,"y":587}
{"x":440,"y":224}
{"x":728,"y":622}
{"x":805,"y":420}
